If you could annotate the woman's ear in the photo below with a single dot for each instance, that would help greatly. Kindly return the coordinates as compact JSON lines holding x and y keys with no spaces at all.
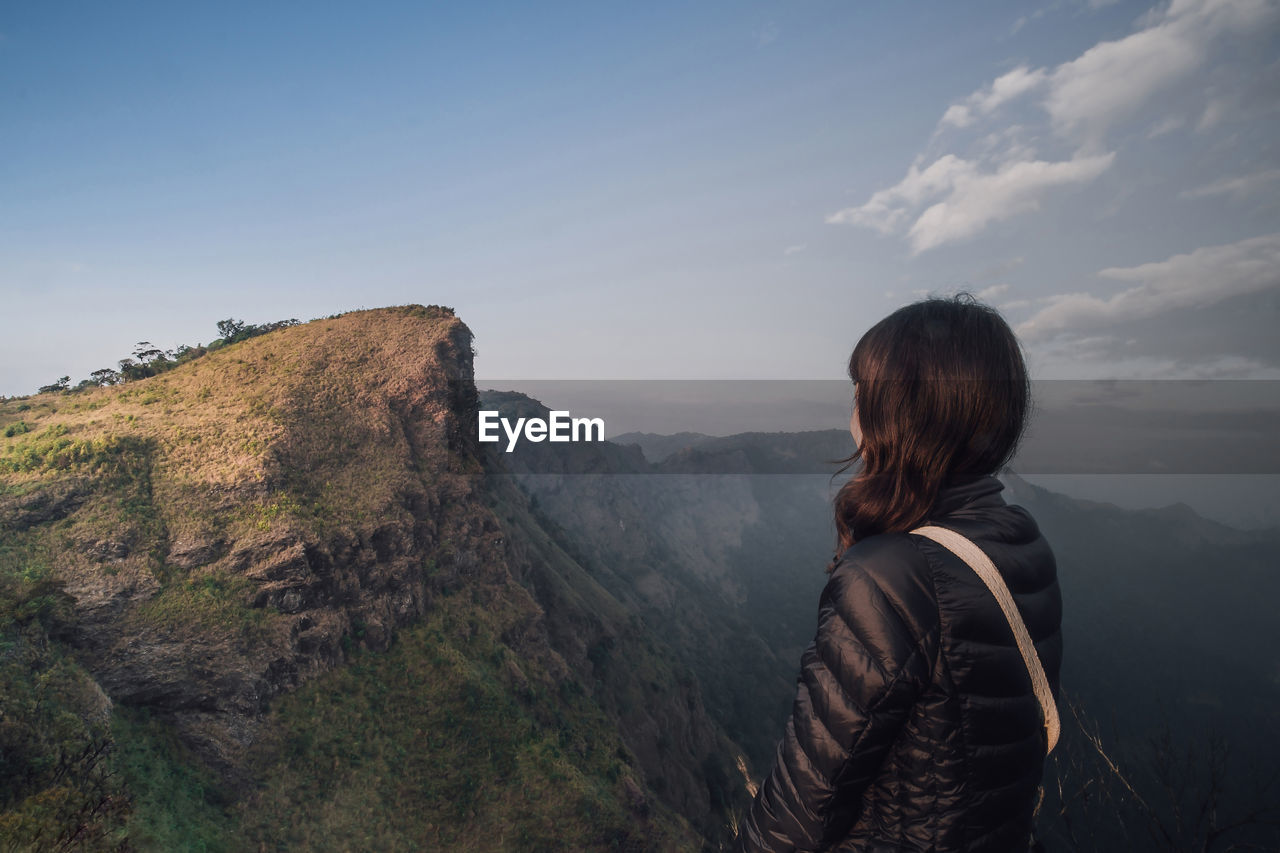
{"x":855,"y":426}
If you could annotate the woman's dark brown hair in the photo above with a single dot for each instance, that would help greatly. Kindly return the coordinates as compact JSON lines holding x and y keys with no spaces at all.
{"x":942,"y":393}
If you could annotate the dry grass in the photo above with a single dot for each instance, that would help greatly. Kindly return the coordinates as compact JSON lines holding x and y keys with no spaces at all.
{"x":316,"y":412}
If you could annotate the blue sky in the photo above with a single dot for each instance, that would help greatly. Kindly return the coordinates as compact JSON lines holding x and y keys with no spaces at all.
{"x":605,"y":190}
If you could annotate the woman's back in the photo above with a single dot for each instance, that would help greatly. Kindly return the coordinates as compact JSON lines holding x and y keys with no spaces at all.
{"x":915,"y":726}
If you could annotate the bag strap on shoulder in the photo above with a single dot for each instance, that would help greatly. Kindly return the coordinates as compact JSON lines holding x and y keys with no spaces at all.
{"x":982,"y":566}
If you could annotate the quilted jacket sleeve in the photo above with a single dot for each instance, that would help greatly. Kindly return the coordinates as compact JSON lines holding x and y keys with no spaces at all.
{"x":859,"y":679}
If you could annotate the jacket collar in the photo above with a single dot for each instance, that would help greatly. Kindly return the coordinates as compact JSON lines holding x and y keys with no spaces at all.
{"x":967,"y":492}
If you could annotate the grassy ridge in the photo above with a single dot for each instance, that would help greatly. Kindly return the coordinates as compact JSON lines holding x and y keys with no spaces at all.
{"x":140,"y":502}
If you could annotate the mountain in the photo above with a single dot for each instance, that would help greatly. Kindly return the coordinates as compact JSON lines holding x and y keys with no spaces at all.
{"x":280,"y":596}
{"x":1186,"y":599}
{"x":658,"y":447}
{"x":812,"y":452}
{"x":277,"y":597}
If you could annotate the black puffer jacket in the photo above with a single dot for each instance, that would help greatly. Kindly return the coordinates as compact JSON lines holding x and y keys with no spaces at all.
{"x":915,"y":726}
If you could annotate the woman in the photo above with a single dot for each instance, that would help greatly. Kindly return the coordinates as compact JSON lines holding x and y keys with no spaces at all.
{"x":915,"y":726}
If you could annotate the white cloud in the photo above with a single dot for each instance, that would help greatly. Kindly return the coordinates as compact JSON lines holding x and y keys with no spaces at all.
{"x":1228,"y":367}
{"x":1075,"y":361}
{"x":887,"y":209}
{"x":955,"y":197}
{"x":1023,"y":20}
{"x":985,"y":101}
{"x":1168,"y":124}
{"x":977,"y":200}
{"x":970,"y":200}
{"x":1112,"y":78}
{"x":796,"y":249}
{"x":989,"y":293}
{"x":1203,"y":277}
{"x":1084,"y":96}
{"x":1214,"y":111}
{"x":1238,"y":187}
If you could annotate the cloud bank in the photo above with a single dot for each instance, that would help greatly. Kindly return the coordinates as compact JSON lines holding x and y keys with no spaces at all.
{"x":1203,"y":277}
{"x":955,"y":197}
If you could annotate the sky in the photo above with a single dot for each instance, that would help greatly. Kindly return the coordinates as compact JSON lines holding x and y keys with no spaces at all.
{"x":658,"y":190}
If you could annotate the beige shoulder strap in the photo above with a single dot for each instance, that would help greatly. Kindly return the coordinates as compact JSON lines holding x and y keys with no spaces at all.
{"x":985,"y":569}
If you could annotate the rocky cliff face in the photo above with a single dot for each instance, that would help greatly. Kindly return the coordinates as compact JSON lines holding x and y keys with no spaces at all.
{"x":240,"y":526}
{"x":203,"y":594}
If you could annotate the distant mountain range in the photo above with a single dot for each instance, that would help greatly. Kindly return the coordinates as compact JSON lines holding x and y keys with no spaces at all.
{"x":1168,"y":621}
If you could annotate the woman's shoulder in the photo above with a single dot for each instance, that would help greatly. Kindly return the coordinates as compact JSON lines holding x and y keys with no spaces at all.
{"x":886,"y":568}
{"x":886,"y":556}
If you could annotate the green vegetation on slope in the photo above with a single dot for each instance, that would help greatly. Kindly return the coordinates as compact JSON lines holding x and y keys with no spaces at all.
{"x":174,"y":803}
{"x":56,"y":787}
{"x":444,"y":742}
